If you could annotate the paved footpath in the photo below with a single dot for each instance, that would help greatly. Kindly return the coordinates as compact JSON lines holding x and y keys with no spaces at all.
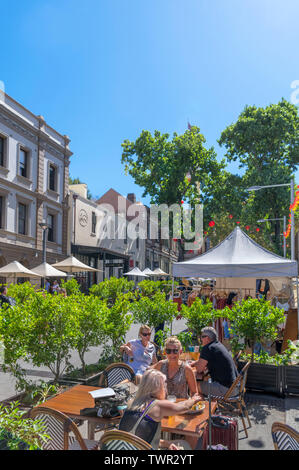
{"x":263,"y":409}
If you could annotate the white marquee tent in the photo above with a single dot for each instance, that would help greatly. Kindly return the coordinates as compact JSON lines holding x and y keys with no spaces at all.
{"x":238,"y":256}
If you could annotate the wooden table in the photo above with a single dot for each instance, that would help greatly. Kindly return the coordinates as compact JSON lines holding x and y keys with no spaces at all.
{"x":76,"y":398}
{"x":188,"y":424}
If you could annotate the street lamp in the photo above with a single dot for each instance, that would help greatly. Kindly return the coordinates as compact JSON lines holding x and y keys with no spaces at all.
{"x":44,"y":226}
{"x":257,"y":188}
{"x":284,"y":229}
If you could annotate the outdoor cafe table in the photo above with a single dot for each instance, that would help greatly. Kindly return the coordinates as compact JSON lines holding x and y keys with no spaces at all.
{"x":74,"y":399}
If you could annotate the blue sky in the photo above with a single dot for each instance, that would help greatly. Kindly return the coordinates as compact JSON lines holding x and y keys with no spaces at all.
{"x":102,"y":71}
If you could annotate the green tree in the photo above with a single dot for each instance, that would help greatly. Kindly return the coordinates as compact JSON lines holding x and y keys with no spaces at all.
{"x":254,"y":320}
{"x":265,"y":142}
{"x":154,"y":310}
{"x":199,"y":315}
{"x":52,"y":331}
{"x":112,"y":288}
{"x":117,"y":320}
{"x":160,"y":165}
{"x":148,"y":288}
{"x":91,"y":315}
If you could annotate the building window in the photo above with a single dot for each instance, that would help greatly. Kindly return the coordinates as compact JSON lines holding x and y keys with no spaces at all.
{"x":137,"y":243}
{"x":2,"y":150}
{"x":93,"y":222}
{"x":22,"y":214}
{"x":23,"y":163}
{"x":126,"y":235}
{"x":51,"y":227}
{"x":52,"y":177}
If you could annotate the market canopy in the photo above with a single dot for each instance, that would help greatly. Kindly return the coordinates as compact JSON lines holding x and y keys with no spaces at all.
{"x":159,"y":272}
{"x":148,"y":272}
{"x":237,"y":256}
{"x":135,"y":272}
{"x":46,"y":270}
{"x":16,"y":269}
{"x":73,"y":265}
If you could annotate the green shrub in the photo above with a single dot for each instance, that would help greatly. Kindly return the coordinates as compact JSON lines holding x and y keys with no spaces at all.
{"x":254,"y":320}
{"x":199,"y":315}
{"x":18,"y":431}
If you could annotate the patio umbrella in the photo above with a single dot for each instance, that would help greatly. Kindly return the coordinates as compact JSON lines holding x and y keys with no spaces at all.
{"x":46,"y":270}
{"x":159,"y":272}
{"x":135,"y":272}
{"x":73,"y":265}
{"x":148,"y":272}
{"x":16,"y":269}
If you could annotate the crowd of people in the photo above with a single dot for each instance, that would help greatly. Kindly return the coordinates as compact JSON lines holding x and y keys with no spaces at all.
{"x":160,"y":381}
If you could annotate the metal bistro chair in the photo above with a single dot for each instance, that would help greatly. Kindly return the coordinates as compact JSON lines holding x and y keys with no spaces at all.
{"x":235,"y":402}
{"x":284,"y":437}
{"x":116,"y":373}
{"x":122,"y":440}
{"x":113,"y":375}
{"x":58,"y":426}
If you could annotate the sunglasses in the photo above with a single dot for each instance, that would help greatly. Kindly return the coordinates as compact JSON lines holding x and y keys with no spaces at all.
{"x":204,"y":336}
{"x":146,"y":334}
{"x":171,"y":351}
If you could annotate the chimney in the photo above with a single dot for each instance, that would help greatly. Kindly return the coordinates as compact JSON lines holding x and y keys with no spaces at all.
{"x":131,"y":197}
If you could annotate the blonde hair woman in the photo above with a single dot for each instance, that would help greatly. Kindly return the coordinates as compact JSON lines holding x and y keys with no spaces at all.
{"x":141,"y":353}
{"x":181,"y":380}
{"x":145,"y":413}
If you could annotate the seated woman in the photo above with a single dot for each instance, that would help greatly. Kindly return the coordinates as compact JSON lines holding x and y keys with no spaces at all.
{"x":181,"y":380}
{"x":144,"y":414}
{"x":141,"y":353}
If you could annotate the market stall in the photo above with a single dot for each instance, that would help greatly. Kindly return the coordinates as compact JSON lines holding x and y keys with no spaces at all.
{"x":238,"y":257}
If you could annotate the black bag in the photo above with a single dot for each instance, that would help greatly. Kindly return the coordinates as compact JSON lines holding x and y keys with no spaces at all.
{"x":110,"y":407}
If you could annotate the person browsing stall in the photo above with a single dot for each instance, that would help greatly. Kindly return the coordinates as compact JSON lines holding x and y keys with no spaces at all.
{"x":180,"y":377}
{"x":145,"y":412}
{"x":215,"y":357}
{"x":141,"y":353}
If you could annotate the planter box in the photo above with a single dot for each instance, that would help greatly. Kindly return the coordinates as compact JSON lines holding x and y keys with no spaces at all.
{"x":290,"y":382}
{"x":19,"y":398}
{"x":264,"y":377}
{"x":93,"y":380}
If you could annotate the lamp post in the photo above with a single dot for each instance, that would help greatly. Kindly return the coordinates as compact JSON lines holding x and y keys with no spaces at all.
{"x":44,"y":226}
{"x":284,"y":229}
{"x":257,"y":188}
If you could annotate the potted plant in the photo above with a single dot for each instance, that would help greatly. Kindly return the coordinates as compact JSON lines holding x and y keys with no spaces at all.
{"x":254,"y":321}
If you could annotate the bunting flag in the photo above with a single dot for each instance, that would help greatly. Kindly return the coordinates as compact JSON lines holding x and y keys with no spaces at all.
{"x":293,"y":207}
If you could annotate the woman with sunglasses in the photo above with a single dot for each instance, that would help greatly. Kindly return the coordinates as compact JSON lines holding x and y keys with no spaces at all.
{"x":145,"y":412}
{"x":140,"y":353}
{"x":181,"y":380}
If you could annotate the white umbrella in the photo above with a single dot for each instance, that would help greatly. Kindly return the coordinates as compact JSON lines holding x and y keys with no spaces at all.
{"x":16,"y":269}
{"x":46,"y":270}
{"x":135,"y":272}
{"x":73,"y":265}
{"x":159,"y":272}
{"x":148,"y":272}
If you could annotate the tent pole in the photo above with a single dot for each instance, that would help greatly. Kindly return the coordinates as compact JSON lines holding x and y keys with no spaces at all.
{"x":172,"y":293}
{"x":297,"y":308}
